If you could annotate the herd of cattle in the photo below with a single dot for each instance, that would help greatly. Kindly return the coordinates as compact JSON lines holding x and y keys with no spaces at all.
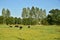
{"x":20,"y":27}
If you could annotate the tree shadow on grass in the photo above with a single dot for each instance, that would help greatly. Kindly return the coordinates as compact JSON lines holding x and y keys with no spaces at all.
{"x":57,"y":38}
{"x":19,"y":38}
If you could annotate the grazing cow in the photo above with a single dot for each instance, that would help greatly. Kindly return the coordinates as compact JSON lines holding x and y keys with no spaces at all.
{"x":10,"y":26}
{"x":16,"y":26}
{"x":6,"y":23}
{"x":20,"y":27}
{"x":29,"y":26}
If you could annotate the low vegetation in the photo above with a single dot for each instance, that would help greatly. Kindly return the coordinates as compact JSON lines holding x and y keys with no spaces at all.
{"x":35,"y":32}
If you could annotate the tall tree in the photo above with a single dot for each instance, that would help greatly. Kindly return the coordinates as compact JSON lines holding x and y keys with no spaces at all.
{"x":28,"y":12}
{"x":32,"y":12}
{"x":3,"y":12}
{"x":7,"y":13}
{"x":37,"y":12}
{"x":44,"y":13}
{"x":24,"y":13}
{"x":4,"y":15}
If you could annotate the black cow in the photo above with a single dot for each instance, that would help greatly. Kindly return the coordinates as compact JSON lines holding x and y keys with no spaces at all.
{"x":20,"y":27}
{"x":16,"y":26}
{"x":28,"y":26}
{"x":10,"y":26}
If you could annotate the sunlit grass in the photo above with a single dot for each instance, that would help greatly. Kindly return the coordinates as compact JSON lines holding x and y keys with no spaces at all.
{"x":33,"y":33}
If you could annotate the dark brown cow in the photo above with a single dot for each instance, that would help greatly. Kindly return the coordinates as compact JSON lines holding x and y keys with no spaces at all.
{"x":20,"y":27}
{"x":28,"y":26}
{"x":10,"y":26}
{"x":16,"y":26}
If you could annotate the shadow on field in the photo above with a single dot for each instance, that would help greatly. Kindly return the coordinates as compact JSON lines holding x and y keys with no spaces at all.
{"x":58,"y":30}
{"x":20,"y":38}
{"x":57,"y":38}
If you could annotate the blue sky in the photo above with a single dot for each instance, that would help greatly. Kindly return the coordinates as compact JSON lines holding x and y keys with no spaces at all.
{"x":15,"y":6}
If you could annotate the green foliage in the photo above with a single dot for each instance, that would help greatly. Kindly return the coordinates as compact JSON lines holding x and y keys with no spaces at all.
{"x":24,"y":15}
{"x":17,"y":20}
{"x":49,"y":19}
{"x":7,"y":19}
{"x":55,"y":15}
{"x":32,"y":12}
{"x":33,"y":15}
{"x":1,"y":19}
{"x":29,"y":21}
{"x":5,"y":14}
{"x":10,"y":20}
{"x":44,"y":22}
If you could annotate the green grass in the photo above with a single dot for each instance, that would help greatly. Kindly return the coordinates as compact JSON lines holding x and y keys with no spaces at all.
{"x":34,"y":33}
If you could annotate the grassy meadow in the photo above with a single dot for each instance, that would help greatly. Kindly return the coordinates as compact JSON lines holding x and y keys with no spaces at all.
{"x":35,"y":32}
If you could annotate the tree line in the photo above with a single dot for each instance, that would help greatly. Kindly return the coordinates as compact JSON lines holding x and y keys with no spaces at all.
{"x":31,"y":16}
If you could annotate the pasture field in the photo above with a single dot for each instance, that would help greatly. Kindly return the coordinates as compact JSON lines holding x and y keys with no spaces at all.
{"x":35,"y":32}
